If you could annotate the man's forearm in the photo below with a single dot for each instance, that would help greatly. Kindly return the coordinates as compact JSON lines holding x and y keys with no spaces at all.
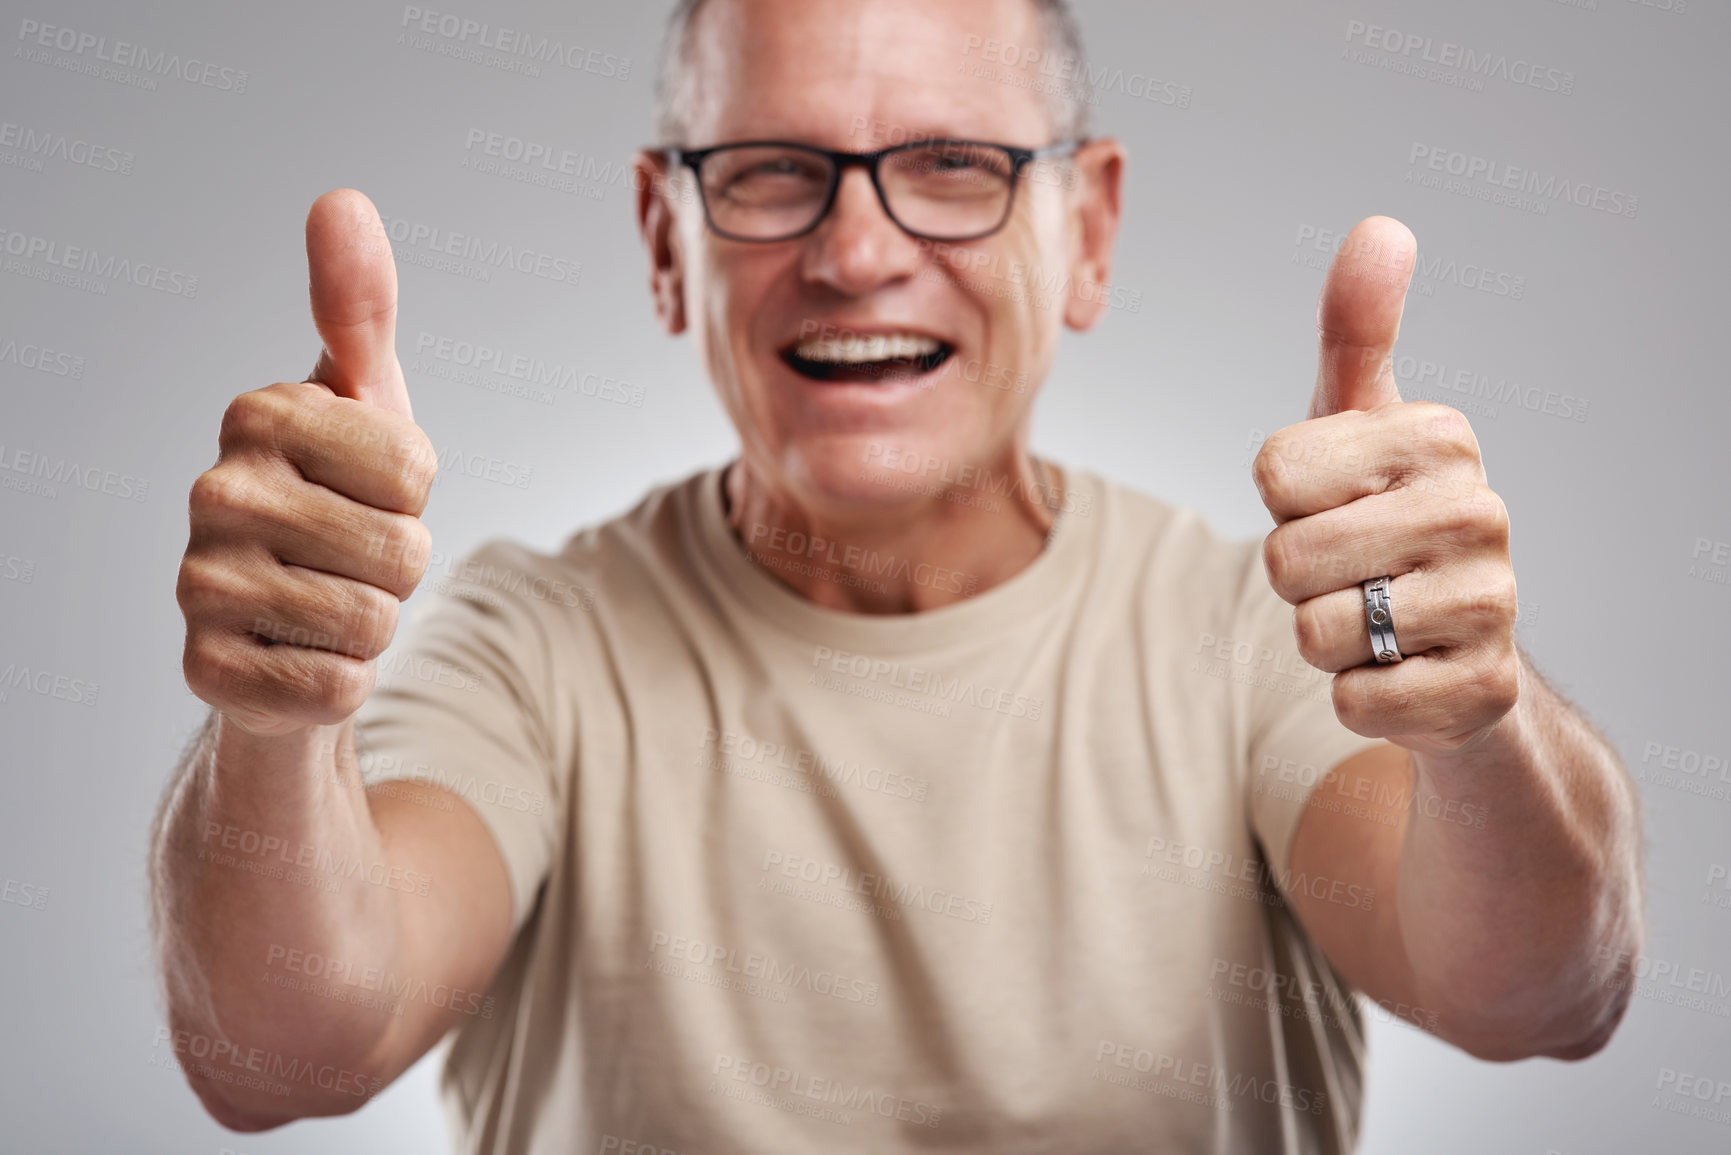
{"x":1518,"y":929}
{"x":262,"y":853}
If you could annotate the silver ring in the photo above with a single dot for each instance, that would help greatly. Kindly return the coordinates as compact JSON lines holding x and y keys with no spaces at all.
{"x":1379,"y":616}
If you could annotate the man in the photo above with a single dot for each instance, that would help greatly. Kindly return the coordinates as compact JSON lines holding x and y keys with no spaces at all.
{"x":888,"y":787}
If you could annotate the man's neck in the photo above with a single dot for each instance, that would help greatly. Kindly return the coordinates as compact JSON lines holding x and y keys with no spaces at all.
{"x":949,"y":543}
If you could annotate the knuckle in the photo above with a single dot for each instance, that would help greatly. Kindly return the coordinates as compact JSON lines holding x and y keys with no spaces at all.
{"x":1507,"y":693}
{"x":1271,"y":472}
{"x":218,"y":491}
{"x":205,"y":666}
{"x":296,"y":396}
{"x":1350,"y":703}
{"x":371,"y":621}
{"x":201,"y":587}
{"x":1274,"y":560}
{"x":1282,"y":557}
{"x":250,"y":421}
{"x":1308,"y":634}
{"x":342,"y":431}
{"x":382,"y":540}
{"x":1462,"y":517}
{"x":1500,"y":683}
{"x":1499,"y":600}
{"x":1473,"y":516}
{"x":406,"y":548}
{"x":418,"y":469}
{"x":402,"y":486}
{"x":341,"y":686}
{"x":1493,"y":518}
{"x":310,"y":685}
{"x":233,"y":677}
{"x":315,"y":685}
{"x":1446,"y":428}
{"x":1456,"y":519}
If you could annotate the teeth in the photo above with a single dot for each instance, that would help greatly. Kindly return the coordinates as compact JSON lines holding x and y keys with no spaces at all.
{"x":861,"y":349}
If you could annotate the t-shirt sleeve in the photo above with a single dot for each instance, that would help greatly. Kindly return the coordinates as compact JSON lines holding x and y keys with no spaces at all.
{"x":1292,"y":736}
{"x":463,"y":702}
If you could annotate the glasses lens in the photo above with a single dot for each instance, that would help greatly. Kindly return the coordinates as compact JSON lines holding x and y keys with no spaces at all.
{"x":765,"y":191}
{"x":949,"y":189}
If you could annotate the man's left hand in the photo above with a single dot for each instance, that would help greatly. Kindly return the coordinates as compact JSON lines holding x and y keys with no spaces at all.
{"x":1370,"y":486}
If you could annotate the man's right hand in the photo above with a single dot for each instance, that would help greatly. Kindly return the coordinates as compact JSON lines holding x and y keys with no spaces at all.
{"x":306,"y":534}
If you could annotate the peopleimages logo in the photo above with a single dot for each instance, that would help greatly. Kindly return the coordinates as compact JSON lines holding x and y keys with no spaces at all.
{"x":515,"y":42}
{"x":800,"y":1085}
{"x":47,"y":684}
{"x":1239,"y":1084}
{"x":1080,"y":80}
{"x":1427,"y":271}
{"x":333,"y":974}
{"x":1423,"y":374}
{"x":124,"y":54}
{"x":104,"y":266}
{"x":1253,"y":870}
{"x":41,"y":473}
{"x":920,"y":680}
{"x":902,"y":892}
{"x":483,"y":254}
{"x":538,"y":376}
{"x":1450,"y":55}
{"x":39,"y":144}
{"x":757,"y":965}
{"x":207,"y":1057}
{"x":850,"y":563}
{"x":1544,"y":186}
{"x":730,"y":752}
{"x":943,"y":473}
{"x":28,"y":355}
{"x":20,"y":893}
{"x":455,"y":462}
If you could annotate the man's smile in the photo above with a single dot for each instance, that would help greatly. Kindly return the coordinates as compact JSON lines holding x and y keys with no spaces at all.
{"x":852,"y":356}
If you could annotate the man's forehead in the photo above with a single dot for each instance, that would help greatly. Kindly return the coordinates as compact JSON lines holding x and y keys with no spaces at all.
{"x":861,"y":75}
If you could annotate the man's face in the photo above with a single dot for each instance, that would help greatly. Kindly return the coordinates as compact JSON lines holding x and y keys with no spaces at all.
{"x":772,"y":320}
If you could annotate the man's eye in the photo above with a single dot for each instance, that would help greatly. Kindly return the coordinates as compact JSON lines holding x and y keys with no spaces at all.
{"x":955,"y":164}
{"x":780,"y":171}
{"x":961,"y":165}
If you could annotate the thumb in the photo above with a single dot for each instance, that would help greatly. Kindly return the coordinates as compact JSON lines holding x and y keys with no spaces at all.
{"x":1358,"y":317}
{"x":353,"y":285}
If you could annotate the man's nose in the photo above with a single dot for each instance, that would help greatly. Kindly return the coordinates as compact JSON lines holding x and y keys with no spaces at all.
{"x":858,"y":247}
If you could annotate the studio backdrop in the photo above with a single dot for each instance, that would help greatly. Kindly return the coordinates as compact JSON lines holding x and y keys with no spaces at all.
{"x":1562,"y":163}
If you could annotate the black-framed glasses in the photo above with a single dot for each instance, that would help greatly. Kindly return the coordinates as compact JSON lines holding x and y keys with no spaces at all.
{"x":935,"y":190}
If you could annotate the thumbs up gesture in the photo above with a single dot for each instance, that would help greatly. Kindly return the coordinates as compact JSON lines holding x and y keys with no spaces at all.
{"x":1372,"y":486}
{"x":306,"y":534}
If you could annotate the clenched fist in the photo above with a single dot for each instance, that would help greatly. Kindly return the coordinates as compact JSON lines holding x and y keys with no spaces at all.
{"x":306,"y":534}
{"x":1374,"y":486}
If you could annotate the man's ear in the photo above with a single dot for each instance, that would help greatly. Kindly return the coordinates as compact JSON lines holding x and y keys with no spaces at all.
{"x":1096,"y":204}
{"x":659,"y":226}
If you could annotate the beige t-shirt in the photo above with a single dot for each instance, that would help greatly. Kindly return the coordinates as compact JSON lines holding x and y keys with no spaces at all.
{"x":792,"y":880}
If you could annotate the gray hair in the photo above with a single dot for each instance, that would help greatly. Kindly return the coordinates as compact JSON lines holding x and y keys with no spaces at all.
{"x":1066,"y":105}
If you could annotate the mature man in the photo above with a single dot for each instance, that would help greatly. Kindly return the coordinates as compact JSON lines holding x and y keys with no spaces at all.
{"x":886,"y":788}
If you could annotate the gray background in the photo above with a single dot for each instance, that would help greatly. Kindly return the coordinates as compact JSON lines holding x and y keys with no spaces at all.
{"x":1282,"y":134}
